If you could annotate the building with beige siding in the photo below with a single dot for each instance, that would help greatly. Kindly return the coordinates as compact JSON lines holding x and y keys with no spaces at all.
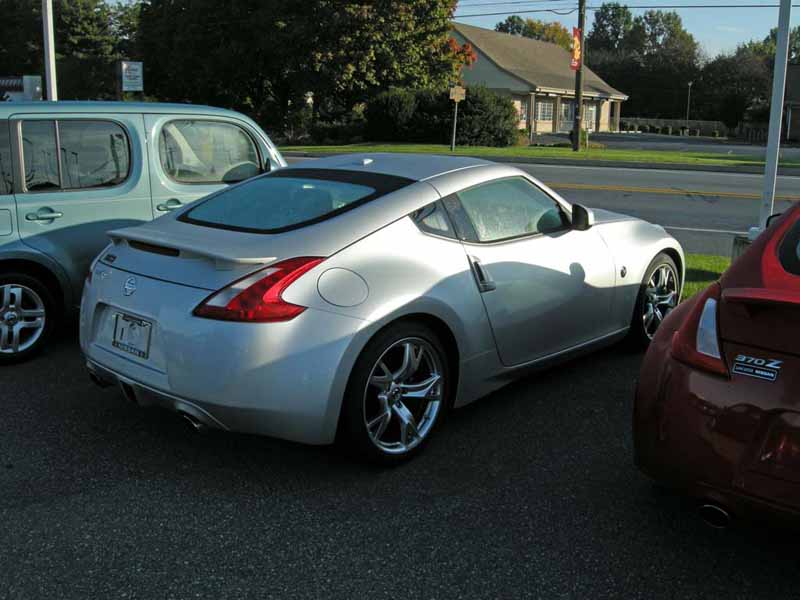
{"x":538,"y":78}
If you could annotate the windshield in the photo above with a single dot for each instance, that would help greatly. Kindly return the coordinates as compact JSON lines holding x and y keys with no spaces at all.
{"x":289,"y":199}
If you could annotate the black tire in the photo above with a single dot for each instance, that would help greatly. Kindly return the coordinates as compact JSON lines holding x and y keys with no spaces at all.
{"x":638,"y":337}
{"x":50,"y":306}
{"x":353,"y":433}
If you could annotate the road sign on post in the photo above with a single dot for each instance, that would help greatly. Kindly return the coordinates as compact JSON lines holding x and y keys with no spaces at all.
{"x":457,"y":94}
{"x":131,"y":76}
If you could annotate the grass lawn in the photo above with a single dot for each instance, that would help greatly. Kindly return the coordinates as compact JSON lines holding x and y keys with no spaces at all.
{"x":701,"y":270}
{"x":610,"y":154}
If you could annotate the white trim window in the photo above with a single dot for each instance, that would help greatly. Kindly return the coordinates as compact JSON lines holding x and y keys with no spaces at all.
{"x":544,"y":110}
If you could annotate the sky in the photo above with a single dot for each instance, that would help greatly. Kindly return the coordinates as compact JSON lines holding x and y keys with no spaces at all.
{"x":717,"y":29}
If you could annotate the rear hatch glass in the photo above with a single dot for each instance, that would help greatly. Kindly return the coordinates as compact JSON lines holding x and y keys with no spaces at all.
{"x":289,"y":199}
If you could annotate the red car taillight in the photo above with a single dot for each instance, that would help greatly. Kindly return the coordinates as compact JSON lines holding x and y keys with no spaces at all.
{"x":696,"y":343}
{"x":258,"y":298}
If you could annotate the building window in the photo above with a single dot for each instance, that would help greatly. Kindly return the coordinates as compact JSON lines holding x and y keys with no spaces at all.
{"x":544,"y":110}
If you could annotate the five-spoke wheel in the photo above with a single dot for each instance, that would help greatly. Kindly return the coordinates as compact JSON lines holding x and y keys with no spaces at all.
{"x":397,"y":393}
{"x":403,"y":395}
{"x":659,"y":295}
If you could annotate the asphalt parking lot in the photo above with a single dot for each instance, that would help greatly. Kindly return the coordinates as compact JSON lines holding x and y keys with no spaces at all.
{"x":528,"y":493}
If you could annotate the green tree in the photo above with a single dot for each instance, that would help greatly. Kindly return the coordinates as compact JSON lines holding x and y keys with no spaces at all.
{"x":612,"y":24}
{"x":555,"y":33}
{"x":653,"y":61}
{"x":84,"y":44}
{"x":732,"y":84}
{"x":264,"y":56}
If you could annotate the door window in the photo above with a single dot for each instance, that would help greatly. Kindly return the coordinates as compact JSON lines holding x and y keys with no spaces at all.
{"x":207,"y":152}
{"x":6,"y":170}
{"x":92,"y":154}
{"x":40,"y":156}
{"x":510,"y":208}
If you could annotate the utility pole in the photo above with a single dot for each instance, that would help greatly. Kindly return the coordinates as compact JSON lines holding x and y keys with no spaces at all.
{"x":49,"y":50}
{"x":776,"y":113}
{"x":688,"y":104}
{"x":576,"y":128}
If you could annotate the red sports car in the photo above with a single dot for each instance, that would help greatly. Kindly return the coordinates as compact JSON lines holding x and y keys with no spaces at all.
{"x":717,"y":410}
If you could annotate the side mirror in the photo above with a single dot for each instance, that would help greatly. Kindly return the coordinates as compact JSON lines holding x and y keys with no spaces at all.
{"x":582,"y":217}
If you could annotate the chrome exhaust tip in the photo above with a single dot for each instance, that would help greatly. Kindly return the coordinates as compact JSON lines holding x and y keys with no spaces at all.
{"x":194,"y":423}
{"x":715,"y":516}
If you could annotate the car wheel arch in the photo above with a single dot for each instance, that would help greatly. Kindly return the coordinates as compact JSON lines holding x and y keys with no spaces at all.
{"x":676,"y":256}
{"x":434,"y":322}
{"x":40,"y":272}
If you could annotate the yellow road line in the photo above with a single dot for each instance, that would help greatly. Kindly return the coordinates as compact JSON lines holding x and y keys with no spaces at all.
{"x":663,"y":191}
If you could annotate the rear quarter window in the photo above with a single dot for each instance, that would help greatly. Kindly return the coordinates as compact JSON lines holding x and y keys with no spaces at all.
{"x":789,"y":252}
{"x":289,"y":199}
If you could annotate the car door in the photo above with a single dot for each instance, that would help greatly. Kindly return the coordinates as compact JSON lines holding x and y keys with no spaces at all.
{"x":545,"y":286}
{"x":192,"y":156}
{"x":80,"y":176}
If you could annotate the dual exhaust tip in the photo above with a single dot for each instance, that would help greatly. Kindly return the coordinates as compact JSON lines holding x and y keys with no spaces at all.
{"x":194,"y":423}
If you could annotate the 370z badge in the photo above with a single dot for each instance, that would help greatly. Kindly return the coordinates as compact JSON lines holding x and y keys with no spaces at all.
{"x":760,"y":368}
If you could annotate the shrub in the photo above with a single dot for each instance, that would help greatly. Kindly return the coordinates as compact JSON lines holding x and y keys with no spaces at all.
{"x":348,"y":129}
{"x":485,"y":118}
{"x":389,"y":115}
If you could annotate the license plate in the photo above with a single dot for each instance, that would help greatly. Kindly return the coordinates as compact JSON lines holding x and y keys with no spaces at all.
{"x":132,"y":335}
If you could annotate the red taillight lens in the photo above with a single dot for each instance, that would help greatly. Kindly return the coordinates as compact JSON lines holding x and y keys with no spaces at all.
{"x":696,"y":343}
{"x":258,"y":298}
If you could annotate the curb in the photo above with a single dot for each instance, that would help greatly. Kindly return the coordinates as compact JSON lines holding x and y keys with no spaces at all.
{"x":609,"y":164}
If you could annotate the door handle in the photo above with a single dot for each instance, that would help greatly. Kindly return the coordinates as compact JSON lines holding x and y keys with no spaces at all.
{"x":169,"y":205}
{"x":44,"y":214}
{"x":482,"y":277}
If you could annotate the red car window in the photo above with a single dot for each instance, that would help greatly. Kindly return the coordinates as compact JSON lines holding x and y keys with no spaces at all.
{"x":789,"y":252}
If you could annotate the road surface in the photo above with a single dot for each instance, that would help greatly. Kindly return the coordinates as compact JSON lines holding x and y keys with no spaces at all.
{"x":703,"y":210}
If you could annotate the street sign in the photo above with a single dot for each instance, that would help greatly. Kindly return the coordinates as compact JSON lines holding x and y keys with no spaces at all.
{"x":132,"y":76}
{"x":577,"y":50}
{"x":457,"y":94}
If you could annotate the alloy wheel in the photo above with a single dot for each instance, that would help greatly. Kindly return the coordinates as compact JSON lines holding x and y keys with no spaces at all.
{"x":22,"y":318}
{"x":661,"y":297}
{"x":403,"y":396}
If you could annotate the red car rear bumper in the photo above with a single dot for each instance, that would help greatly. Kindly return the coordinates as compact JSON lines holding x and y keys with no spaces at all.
{"x":711,"y":435}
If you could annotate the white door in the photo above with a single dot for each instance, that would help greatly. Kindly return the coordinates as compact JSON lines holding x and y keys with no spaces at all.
{"x":546,"y":287}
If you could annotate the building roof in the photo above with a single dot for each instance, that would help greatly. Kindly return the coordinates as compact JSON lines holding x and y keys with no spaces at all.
{"x":543,"y":65}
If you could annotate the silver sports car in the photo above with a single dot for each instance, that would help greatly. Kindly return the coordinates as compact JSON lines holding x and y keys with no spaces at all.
{"x":363,"y":296}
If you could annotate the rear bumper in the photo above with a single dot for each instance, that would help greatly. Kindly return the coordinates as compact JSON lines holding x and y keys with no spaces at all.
{"x":706,"y":435}
{"x":284,"y":380}
{"x":144,"y":395}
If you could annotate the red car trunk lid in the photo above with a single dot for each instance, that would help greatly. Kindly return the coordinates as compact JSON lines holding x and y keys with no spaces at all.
{"x":761,"y":292}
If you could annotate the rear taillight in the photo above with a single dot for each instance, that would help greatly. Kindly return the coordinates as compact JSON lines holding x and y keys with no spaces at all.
{"x":258,"y":298}
{"x":696,"y":343}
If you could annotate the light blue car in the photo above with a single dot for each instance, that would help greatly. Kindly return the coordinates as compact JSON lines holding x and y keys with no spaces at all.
{"x":71,"y":171}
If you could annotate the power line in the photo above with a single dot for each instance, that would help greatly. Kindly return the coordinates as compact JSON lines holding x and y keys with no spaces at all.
{"x":647,"y":6}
